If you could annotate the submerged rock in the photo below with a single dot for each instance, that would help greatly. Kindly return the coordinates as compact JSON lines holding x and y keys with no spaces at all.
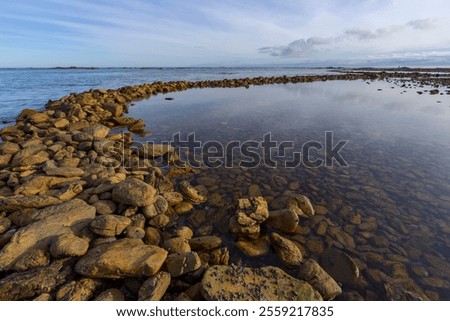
{"x":313,"y":273}
{"x":340,"y":266}
{"x":288,"y":253}
{"x":234,"y":283}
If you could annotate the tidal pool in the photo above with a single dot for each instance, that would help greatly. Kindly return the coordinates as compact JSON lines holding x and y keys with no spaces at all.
{"x":388,"y":207}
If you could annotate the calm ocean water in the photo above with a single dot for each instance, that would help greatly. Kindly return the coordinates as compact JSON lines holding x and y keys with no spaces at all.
{"x":32,"y":88}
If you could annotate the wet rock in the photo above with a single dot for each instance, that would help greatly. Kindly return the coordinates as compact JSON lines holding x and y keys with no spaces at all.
{"x":110,"y":295}
{"x":181,"y":263}
{"x":205,"y":243}
{"x":313,"y":273}
{"x":283,"y":220}
{"x":109,"y":225}
{"x":120,"y":259}
{"x":288,"y":253}
{"x":235,"y":283}
{"x":81,"y":290}
{"x":399,"y":290}
{"x":250,"y":213}
{"x":72,"y":216}
{"x":301,"y":205}
{"x":151,"y":150}
{"x":154,"y":288}
{"x":172,"y":198}
{"x":68,"y":245}
{"x":259,"y":247}
{"x":25,"y":285}
{"x":134,"y":192}
{"x":340,"y":266}
{"x":254,"y":191}
{"x":190,"y":194}
{"x":177,"y":245}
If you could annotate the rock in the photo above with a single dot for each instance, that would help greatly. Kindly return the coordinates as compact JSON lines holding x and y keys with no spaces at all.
{"x":190,"y":193}
{"x":72,"y":216}
{"x":38,"y":118}
{"x":160,"y":206}
{"x":105,"y":207}
{"x":243,"y":226}
{"x":254,"y":191}
{"x":301,"y":205}
{"x":219,"y":256}
{"x":109,"y":225}
{"x":68,"y":192}
{"x":177,"y":245}
{"x":287,"y":251}
{"x":205,"y":243}
{"x":134,"y":232}
{"x":235,"y":283}
{"x":43,"y":297}
{"x":172,"y":198}
{"x":18,"y":202}
{"x":320,"y":210}
{"x":134,"y":192}
{"x":402,"y":290}
{"x":68,"y":245}
{"x":115,"y":109}
{"x":25,"y":285}
{"x":9,"y":148}
{"x":152,"y":236}
{"x":97,"y":131}
{"x":61,"y":123}
{"x":283,"y":220}
{"x":5,"y":224}
{"x":65,"y":171}
{"x":155,"y":287}
{"x":313,"y":273}
{"x":259,"y":247}
{"x":253,"y":207}
{"x":32,"y":259}
{"x":120,"y":259}
{"x":181,"y":263}
{"x":30,"y":156}
{"x":183,"y":208}
{"x":81,"y":290}
{"x":151,"y":150}
{"x":159,"y":221}
{"x":137,"y":127}
{"x":340,"y":266}
{"x":110,"y":295}
{"x":185,"y":232}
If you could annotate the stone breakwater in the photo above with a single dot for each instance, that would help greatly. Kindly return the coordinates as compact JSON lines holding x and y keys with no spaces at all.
{"x":83,"y":216}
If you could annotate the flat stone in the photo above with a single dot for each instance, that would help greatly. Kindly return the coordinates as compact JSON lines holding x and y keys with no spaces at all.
{"x":134,"y":192}
{"x":25,"y":285}
{"x":177,"y":245}
{"x":235,"y":283}
{"x":120,"y":259}
{"x":205,"y":243}
{"x":181,"y":263}
{"x":68,"y":245}
{"x":81,"y":290}
{"x":259,"y":247}
{"x":154,"y":288}
{"x":288,"y":253}
{"x":109,"y":225}
{"x":72,"y":216}
{"x":112,"y":294}
{"x":97,"y":131}
{"x":18,"y":202}
{"x":61,"y":123}
{"x":65,"y":171}
{"x":313,"y":273}
{"x":32,"y":259}
{"x":284,"y":220}
{"x":340,"y":266}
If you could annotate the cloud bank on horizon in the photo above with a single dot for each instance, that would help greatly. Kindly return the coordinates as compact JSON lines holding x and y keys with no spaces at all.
{"x":137,"y":33}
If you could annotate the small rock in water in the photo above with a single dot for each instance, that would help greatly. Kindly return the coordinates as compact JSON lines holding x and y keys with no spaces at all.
{"x":289,"y":254}
{"x":313,"y":273}
{"x":340,"y":266}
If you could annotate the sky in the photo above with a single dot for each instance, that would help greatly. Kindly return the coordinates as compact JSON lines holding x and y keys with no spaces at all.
{"x":180,"y":33}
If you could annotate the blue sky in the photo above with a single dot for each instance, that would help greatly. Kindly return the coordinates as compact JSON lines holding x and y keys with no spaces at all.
{"x":135,"y":33}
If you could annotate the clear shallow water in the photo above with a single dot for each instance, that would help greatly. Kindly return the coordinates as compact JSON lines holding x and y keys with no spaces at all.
{"x":32,"y":88}
{"x":389,"y":209}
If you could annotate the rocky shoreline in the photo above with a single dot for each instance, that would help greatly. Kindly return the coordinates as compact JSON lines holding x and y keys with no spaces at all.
{"x":86,"y":216}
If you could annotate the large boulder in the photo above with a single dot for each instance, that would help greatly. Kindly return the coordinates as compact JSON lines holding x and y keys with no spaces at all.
{"x":69,"y":217}
{"x":235,"y":283}
{"x":134,"y":192}
{"x":121,"y":258}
